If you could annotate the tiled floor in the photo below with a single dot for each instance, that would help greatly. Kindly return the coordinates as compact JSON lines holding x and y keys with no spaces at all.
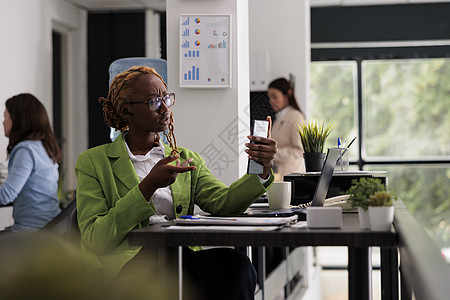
{"x":335,"y":285}
{"x":335,"y":282}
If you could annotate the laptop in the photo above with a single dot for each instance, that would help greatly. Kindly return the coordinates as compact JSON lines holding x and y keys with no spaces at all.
{"x":320,"y":193}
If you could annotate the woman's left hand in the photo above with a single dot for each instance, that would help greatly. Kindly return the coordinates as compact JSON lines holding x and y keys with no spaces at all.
{"x":263,"y":151}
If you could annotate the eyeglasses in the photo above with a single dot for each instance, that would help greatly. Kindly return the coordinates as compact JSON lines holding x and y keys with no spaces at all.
{"x":155,"y":103}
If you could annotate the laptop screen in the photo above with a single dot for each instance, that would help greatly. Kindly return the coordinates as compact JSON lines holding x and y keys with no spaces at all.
{"x":325,"y":177}
{"x":319,"y":195}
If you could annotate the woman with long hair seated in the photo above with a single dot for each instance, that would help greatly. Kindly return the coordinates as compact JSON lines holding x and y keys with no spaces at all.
{"x":32,"y":183}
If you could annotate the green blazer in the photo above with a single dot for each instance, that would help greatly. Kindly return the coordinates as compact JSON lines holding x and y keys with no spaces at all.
{"x":110,"y":204}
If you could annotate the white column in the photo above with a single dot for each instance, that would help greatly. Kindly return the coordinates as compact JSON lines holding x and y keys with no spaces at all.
{"x":215,"y":121}
{"x":71,"y":22}
{"x":280,"y":41}
{"x":152,"y":34}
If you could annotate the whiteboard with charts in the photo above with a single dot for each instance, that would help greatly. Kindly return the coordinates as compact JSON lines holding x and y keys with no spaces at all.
{"x":205,"y":58}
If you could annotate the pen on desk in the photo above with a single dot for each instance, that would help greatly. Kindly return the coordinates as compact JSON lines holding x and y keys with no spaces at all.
{"x":351,"y":142}
{"x":189,"y":217}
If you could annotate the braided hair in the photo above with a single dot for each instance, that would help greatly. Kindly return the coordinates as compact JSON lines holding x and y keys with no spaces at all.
{"x":120,"y":91}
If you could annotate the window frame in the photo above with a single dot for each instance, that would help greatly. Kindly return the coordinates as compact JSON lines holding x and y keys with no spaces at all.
{"x":361,"y":161}
{"x":359,"y":33}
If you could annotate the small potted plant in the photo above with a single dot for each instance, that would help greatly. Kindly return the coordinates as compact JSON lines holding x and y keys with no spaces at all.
{"x":360,"y":192}
{"x":381,"y":210}
{"x":313,"y":136}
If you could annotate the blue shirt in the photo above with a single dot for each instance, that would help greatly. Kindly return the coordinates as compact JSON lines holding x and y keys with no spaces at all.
{"x":32,"y":186}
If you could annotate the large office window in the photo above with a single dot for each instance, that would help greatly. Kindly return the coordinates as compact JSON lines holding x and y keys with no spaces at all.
{"x":402,"y":122}
{"x":388,"y":83}
{"x":333,"y":99}
{"x":406,"y":108}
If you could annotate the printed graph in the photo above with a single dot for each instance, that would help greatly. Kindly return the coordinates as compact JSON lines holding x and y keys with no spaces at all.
{"x":204,"y":53}
{"x":222,"y":44}
{"x":192,"y":54}
{"x":193,"y":74}
{"x":185,"y":44}
{"x":185,"y":22}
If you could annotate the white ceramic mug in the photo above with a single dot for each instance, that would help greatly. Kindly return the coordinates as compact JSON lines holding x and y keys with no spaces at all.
{"x":279,"y":195}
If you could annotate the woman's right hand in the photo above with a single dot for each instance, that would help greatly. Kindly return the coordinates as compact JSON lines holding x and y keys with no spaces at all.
{"x":163,"y":174}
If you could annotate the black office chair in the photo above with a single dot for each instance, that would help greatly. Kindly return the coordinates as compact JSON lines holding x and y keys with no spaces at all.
{"x":61,"y":223}
{"x":74,"y":230}
{"x":65,"y":223}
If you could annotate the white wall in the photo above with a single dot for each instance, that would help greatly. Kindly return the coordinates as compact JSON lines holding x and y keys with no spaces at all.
{"x":203,"y":118}
{"x":282,"y":29}
{"x":213,"y":122}
{"x":26,"y":59}
{"x":25,"y":54}
{"x":6,"y":218}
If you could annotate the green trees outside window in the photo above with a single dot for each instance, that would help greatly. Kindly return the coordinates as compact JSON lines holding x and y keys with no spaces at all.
{"x":407,"y":108}
{"x":405,"y":127}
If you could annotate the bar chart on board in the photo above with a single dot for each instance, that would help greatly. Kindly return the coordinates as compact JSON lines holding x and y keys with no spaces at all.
{"x":205,"y":51}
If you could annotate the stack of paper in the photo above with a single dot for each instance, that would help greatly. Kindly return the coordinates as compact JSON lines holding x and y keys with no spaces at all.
{"x":222,"y":228}
{"x":201,"y":222}
{"x":242,"y":221}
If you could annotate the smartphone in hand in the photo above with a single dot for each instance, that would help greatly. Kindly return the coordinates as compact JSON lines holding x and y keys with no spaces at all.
{"x":259,"y":128}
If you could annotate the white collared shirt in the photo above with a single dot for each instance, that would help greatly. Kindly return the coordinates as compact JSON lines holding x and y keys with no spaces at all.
{"x":143,"y":164}
{"x":279,"y":114}
{"x":162,"y":198}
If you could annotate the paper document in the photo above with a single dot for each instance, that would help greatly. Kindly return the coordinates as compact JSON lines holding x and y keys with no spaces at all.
{"x":223,"y":228}
{"x":300,"y":224}
{"x":241,"y":221}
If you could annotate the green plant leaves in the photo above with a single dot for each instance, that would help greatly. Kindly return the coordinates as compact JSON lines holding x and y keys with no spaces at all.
{"x":313,"y":135}
{"x":361,"y":190}
{"x":381,"y":198}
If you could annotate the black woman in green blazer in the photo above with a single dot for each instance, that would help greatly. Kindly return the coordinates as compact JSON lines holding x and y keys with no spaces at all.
{"x":112,"y":201}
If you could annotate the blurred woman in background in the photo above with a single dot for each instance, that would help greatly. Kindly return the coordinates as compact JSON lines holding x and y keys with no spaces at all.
{"x":33,"y":152}
{"x":289,"y":157}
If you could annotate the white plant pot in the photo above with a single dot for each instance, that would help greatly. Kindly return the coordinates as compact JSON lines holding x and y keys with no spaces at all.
{"x":381,"y":217}
{"x":364,"y":219}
